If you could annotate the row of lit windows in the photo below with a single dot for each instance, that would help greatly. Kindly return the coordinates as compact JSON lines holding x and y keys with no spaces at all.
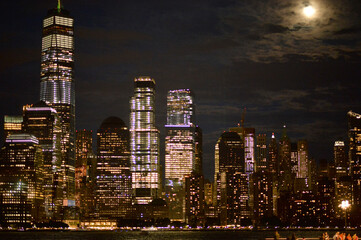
{"x":58,"y":20}
{"x":56,"y":40}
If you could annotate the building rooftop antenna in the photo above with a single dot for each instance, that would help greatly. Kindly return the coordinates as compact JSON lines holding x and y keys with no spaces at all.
{"x":59,"y":6}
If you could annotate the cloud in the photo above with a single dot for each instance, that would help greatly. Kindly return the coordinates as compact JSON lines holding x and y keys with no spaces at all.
{"x":279,"y":30}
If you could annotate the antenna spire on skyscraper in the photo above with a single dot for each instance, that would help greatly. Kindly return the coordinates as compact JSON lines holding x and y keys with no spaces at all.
{"x":59,"y":6}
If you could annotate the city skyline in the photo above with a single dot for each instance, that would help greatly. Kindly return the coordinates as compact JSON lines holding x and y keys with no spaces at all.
{"x":111,"y":51}
{"x":52,"y":175}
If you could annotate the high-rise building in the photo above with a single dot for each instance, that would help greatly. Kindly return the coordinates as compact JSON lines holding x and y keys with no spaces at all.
{"x":343,"y":191}
{"x":229,"y":153}
{"x":294,"y":158}
{"x":273,"y":167}
{"x":144,"y":142}
{"x":85,"y":173}
{"x":303,"y":162}
{"x":234,"y":205}
{"x":180,"y":107}
{"x":43,"y":122}
{"x":179,"y":154}
{"x":262,"y":195}
{"x":113,"y":191}
{"x":342,"y":163}
{"x":57,"y":86}
{"x":230,"y":181}
{"x":183,"y":148}
{"x":21,"y":181}
{"x":198,"y":140}
{"x":12,"y":124}
{"x":261,"y":152}
{"x":354,"y":138}
{"x":249,"y":155}
{"x":194,"y":199}
{"x":208,"y":192}
{"x":273,"y":156}
{"x":181,"y":139}
{"x":179,"y":149}
{"x":284,"y":171}
{"x":325,"y":194}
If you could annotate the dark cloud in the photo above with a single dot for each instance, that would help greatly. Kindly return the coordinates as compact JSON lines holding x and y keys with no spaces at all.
{"x":351,"y":30}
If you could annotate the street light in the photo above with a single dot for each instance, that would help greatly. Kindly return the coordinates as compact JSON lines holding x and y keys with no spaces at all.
{"x":345,"y":205}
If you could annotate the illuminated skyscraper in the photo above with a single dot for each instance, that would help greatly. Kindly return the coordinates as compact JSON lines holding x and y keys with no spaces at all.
{"x":183,"y":147}
{"x":354,"y":137}
{"x":12,"y":124}
{"x":43,"y":122}
{"x":21,"y":181}
{"x":180,"y":107}
{"x":113,"y":169}
{"x":180,"y":139}
{"x":342,"y":163}
{"x":303,"y":162}
{"x":57,"y":85}
{"x":249,"y":146}
{"x":144,"y":143}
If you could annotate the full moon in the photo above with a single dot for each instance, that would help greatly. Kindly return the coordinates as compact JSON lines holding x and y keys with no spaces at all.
{"x":309,"y":11}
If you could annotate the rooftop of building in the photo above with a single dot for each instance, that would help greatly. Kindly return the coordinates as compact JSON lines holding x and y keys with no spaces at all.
{"x":112,"y":123}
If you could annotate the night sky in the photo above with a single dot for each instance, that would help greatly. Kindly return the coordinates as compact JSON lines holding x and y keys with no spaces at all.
{"x":263,"y":55}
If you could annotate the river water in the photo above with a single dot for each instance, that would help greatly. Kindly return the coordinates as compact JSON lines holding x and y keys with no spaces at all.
{"x":158,"y":235}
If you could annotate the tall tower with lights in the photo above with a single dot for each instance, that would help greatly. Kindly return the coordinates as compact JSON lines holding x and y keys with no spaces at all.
{"x":57,"y":86}
{"x":180,"y":139}
{"x":144,"y":142}
{"x":183,"y":149}
{"x":354,"y":141}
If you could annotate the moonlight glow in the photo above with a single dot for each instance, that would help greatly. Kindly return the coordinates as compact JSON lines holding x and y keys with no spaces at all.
{"x":309,"y":11}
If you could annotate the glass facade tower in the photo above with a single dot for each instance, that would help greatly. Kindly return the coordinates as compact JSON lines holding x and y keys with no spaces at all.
{"x":144,"y":144}
{"x":57,"y":85}
{"x":180,"y":140}
{"x":43,"y":122}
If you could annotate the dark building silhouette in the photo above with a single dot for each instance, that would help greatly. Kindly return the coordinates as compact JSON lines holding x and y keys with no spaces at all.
{"x":194,"y":199}
{"x":85,"y":173}
{"x":285,"y":177}
{"x":231,"y":181}
{"x":273,"y":157}
{"x":261,"y":152}
{"x":262,"y":195}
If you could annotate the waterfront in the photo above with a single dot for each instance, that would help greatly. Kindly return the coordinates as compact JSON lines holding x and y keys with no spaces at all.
{"x":157,"y":235}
